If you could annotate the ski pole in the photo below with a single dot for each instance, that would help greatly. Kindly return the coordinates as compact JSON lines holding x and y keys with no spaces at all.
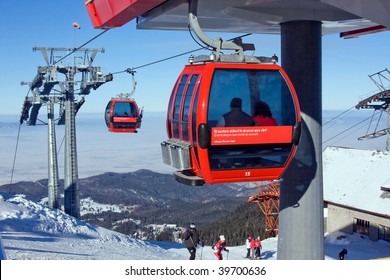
{"x":195,"y":246}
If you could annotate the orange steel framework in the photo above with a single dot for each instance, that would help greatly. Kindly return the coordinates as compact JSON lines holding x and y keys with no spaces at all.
{"x":268,"y":202}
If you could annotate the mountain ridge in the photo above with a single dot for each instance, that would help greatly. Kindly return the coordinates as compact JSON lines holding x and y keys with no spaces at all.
{"x":154,"y":198}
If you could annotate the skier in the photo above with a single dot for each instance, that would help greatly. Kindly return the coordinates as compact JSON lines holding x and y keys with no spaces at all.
{"x":248,"y":246}
{"x":253,"y":248}
{"x":258,"y":247}
{"x":342,"y":254}
{"x":191,"y":240}
{"x":219,"y":246}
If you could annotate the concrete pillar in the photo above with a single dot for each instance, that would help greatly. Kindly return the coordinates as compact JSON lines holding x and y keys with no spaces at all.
{"x":301,"y":220}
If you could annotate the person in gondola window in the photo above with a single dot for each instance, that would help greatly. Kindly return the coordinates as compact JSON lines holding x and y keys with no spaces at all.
{"x":236,"y":117}
{"x":191,"y":240}
{"x":263,"y":115}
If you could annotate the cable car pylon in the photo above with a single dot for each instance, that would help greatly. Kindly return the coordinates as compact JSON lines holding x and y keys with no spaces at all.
{"x":44,"y":92}
{"x":268,"y":202}
{"x":379,"y":101}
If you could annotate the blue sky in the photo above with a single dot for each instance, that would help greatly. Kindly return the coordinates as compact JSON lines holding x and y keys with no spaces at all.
{"x":44,"y":23}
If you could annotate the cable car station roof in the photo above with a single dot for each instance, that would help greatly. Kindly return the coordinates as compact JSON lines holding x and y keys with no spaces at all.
{"x":265,"y":16}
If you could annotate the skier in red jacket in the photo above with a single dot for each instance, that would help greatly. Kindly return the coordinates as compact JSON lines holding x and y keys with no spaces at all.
{"x":253,"y":248}
{"x":219,"y":246}
{"x":258,"y":248}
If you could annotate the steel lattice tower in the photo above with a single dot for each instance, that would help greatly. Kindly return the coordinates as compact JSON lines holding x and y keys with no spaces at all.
{"x":47,"y":90}
{"x":268,"y":202}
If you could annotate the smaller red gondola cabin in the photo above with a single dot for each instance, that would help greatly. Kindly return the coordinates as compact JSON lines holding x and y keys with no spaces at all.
{"x":123,"y":115}
{"x":205,"y":149}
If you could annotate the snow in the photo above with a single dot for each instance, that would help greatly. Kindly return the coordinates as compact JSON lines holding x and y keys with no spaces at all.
{"x":32,"y":231}
{"x":354,"y":178}
{"x":89,"y":206}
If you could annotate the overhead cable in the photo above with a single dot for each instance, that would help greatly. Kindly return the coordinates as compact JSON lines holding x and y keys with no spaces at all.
{"x":342,"y":132}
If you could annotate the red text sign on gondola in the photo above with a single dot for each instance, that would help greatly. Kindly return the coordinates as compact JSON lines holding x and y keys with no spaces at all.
{"x":250,"y":135}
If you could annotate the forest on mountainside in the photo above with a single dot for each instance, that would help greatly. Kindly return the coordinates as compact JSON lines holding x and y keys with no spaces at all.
{"x":246,"y":219}
{"x":157,"y":199}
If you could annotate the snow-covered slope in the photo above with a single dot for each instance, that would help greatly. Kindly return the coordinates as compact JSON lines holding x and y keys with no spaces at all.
{"x":354,"y":178}
{"x":31,"y":231}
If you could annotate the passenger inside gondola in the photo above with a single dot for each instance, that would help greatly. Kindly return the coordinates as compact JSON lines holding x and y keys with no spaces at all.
{"x":125,"y":110}
{"x":235,"y":117}
{"x":263,"y":115}
{"x":242,"y":152}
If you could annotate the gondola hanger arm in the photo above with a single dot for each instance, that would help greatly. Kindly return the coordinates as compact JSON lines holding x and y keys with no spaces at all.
{"x":134,"y":82}
{"x":219,"y":44}
{"x":216,"y":44}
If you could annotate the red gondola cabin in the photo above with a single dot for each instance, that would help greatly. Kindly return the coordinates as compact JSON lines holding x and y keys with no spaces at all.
{"x":123,"y":115}
{"x":203,"y":151}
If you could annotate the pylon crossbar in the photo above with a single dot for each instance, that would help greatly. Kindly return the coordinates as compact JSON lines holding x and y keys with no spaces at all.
{"x":268,"y":202}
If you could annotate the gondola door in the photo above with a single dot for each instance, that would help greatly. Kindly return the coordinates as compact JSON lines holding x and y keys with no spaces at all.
{"x":180,"y":150}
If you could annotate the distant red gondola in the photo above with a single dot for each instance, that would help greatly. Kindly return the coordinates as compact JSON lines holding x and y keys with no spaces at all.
{"x":205,"y":152}
{"x":123,"y":115}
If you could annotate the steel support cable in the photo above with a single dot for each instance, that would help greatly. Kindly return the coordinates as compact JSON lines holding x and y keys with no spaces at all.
{"x":14,"y":161}
{"x":171,"y":57}
{"x":126,"y":70}
{"x":379,"y":119}
{"x":16,"y":151}
{"x":339,"y":115}
{"x":138,"y":67}
{"x":181,"y":54}
{"x":145,"y":65}
{"x":369,"y":125}
{"x":157,"y":61}
{"x":17,"y":139}
{"x":342,"y":132}
{"x":60,"y":147}
{"x":165,"y":59}
{"x":76,"y":49}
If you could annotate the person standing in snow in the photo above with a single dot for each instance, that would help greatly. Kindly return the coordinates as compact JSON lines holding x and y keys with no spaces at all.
{"x":342,"y":254}
{"x":219,"y":246}
{"x":253,"y":248}
{"x":248,"y":246}
{"x":258,"y":247}
{"x":191,"y":240}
